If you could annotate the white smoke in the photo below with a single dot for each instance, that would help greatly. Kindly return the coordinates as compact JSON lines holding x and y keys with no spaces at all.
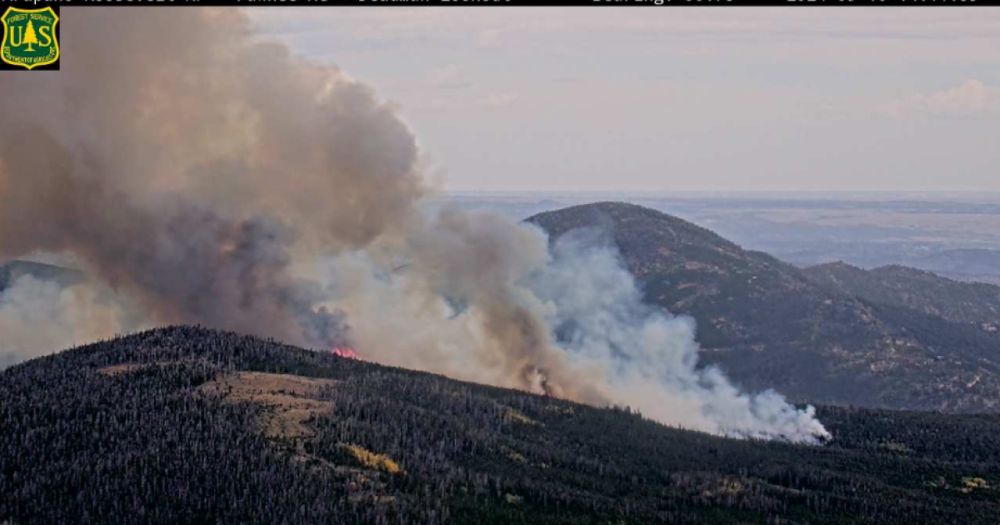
{"x":38,"y":317}
{"x":650,"y":358}
{"x":599,"y":342}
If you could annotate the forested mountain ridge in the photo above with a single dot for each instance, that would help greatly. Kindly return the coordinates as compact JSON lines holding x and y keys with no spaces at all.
{"x":189,"y":425}
{"x":772,"y":325}
{"x":956,"y":301}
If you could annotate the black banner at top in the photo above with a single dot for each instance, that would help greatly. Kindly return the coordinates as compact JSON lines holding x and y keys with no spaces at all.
{"x":521,"y":3}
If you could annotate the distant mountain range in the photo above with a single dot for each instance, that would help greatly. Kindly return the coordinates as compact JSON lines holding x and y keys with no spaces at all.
{"x":13,"y":270}
{"x":891,"y":337}
{"x":962,"y":263}
{"x":926,"y":292}
{"x":189,"y":425}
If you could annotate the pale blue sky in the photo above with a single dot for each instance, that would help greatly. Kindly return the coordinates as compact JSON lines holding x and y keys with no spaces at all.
{"x":679,"y":99}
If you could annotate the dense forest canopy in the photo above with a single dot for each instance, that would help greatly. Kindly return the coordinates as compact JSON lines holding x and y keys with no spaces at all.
{"x":189,"y":425}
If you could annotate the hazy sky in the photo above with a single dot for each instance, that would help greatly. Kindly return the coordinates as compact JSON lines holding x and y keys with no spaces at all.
{"x":670,"y":99}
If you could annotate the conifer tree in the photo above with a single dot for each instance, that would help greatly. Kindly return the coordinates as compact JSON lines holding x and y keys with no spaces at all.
{"x":30,"y":37}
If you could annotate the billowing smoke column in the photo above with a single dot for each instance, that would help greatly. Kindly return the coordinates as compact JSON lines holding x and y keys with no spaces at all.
{"x":648,"y":357}
{"x":202,"y":175}
{"x":487,"y":301}
{"x":184,"y":163}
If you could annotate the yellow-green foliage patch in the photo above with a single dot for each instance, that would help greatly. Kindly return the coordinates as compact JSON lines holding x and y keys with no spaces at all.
{"x":374,"y":460}
{"x":516,"y":416}
{"x":972,"y":483}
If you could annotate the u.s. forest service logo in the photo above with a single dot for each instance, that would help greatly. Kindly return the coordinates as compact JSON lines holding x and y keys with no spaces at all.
{"x":30,"y":39}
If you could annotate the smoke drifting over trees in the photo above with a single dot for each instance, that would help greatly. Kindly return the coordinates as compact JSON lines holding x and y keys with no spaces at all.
{"x":202,"y":175}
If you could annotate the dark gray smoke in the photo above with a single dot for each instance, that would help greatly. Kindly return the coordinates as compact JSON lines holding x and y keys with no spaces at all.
{"x":173,"y":152}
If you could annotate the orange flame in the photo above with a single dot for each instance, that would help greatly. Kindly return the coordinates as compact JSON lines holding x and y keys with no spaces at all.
{"x":347,"y":352}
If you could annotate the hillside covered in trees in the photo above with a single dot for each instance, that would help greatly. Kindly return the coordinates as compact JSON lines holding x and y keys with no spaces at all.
{"x":886,"y":339}
{"x":959,"y":302}
{"x":189,"y":425}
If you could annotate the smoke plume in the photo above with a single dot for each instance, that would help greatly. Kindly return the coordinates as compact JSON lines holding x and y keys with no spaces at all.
{"x":200,"y":174}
